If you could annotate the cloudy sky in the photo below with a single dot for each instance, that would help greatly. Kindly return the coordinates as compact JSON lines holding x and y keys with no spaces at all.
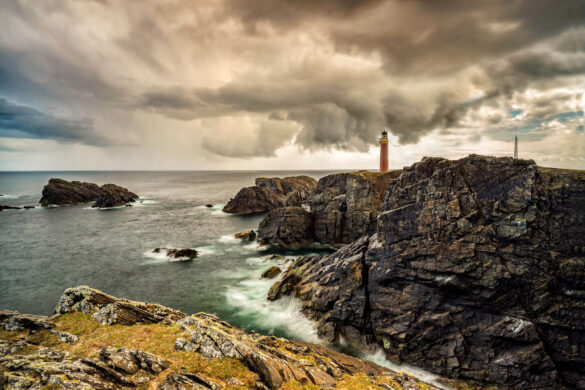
{"x":288,"y":84}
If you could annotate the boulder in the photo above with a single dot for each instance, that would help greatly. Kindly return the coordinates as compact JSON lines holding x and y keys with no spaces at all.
{"x":131,"y":361}
{"x":14,"y":321}
{"x":246,"y":235}
{"x":109,"y":310}
{"x":209,"y":205}
{"x":178,"y":254}
{"x":271,"y":272}
{"x":475,"y":270}
{"x":287,"y":227}
{"x":63,"y":192}
{"x":254,"y":200}
{"x":111,"y":195}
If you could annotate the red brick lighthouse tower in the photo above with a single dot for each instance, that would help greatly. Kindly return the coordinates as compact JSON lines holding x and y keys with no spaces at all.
{"x":384,"y":152}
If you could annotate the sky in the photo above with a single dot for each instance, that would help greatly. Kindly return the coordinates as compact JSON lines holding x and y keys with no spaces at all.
{"x":288,"y":84}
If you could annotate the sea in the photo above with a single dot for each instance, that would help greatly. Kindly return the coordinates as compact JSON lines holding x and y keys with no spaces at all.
{"x":44,"y":251}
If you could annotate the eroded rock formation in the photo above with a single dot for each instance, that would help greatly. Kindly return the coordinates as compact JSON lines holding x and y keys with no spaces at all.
{"x":111,"y":195}
{"x":476,"y":271}
{"x":60,"y":192}
{"x":271,"y":193}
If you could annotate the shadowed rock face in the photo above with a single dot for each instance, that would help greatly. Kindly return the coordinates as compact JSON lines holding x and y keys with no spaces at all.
{"x":271,"y":193}
{"x":346,"y":205}
{"x":476,"y":271}
{"x":287,"y":227}
{"x":111,"y":195}
{"x":62,"y":192}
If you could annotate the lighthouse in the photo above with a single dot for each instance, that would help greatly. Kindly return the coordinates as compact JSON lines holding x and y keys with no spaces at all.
{"x":384,"y":152}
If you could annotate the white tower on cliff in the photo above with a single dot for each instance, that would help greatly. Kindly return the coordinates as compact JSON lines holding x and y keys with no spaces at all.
{"x":515,"y":147}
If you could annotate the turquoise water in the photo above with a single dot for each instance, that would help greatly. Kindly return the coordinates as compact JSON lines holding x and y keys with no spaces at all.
{"x":43,"y":251}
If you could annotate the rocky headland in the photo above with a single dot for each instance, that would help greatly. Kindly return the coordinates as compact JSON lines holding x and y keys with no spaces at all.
{"x":59,"y":192}
{"x":271,"y":193}
{"x":475,"y":270}
{"x":97,"y":341}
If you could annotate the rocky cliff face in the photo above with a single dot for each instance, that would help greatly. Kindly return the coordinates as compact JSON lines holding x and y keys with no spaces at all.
{"x":476,"y":271}
{"x":287,"y":227}
{"x":177,"y":351}
{"x":61,"y":192}
{"x":271,"y":193}
{"x":346,"y":205}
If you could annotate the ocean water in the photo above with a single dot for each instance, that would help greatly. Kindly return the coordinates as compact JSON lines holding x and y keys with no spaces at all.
{"x":43,"y":251}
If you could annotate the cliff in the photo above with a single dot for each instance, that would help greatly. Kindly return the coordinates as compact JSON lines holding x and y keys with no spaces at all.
{"x":271,"y":193}
{"x":343,"y":208}
{"x":96,"y":341}
{"x":476,"y":270}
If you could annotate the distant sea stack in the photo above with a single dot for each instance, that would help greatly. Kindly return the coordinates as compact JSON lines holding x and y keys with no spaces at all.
{"x":475,"y":270}
{"x":61,"y":192}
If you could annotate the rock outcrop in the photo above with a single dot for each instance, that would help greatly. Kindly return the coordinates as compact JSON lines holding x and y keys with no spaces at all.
{"x":271,"y":193}
{"x":111,"y":195}
{"x":255,"y":199}
{"x":260,"y":362}
{"x":295,"y":189}
{"x":343,"y":206}
{"x":109,"y":310}
{"x":6,"y":207}
{"x":287,"y":227}
{"x":476,"y":271}
{"x":271,"y":272}
{"x":346,"y":205}
{"x":60,"y":192}
{"x":247,"y":235}
{"x":178,"y":254}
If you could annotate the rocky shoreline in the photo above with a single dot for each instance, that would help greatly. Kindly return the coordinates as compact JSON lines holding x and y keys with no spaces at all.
{"x":475,"y":270}
{"x":96,"y":341}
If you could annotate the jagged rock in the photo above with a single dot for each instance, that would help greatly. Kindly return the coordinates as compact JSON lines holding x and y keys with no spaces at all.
{"x":246,"y":235}
{"x":287,"y":227}
{"x":111,"y":195}
{"x":476,"y":270}
{"x":271,"y":272}
{"x":49,"y":368}
{"x":64,"y":336}
{"x":131,"y":360}
{"x":254,"y":200}
{"x":178,"y":254}
{"x":15,"y":321}
{"x":110,"y":310}
{"x":62,"y":192}
{"x":186,"y":381}
{"x":346,"y":205}
{"x":274,"y":360}
{"x":302,"y":186}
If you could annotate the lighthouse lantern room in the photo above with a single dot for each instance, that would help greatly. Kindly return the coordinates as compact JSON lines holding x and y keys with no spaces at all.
{"x":384,"y":152}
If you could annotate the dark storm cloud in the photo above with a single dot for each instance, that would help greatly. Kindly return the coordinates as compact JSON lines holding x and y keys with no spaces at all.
{"x":510,"y":45}
{"x":326,"y":74}
{"x":18,"y":121}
